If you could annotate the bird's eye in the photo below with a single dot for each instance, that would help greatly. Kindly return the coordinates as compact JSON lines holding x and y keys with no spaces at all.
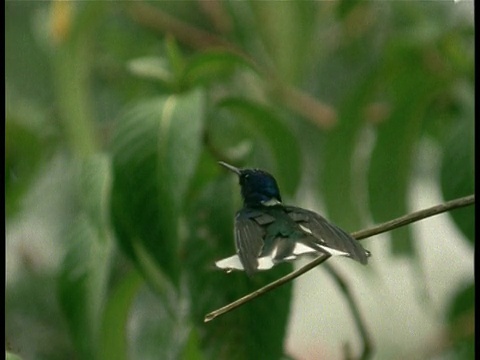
{"x":247,"y":176}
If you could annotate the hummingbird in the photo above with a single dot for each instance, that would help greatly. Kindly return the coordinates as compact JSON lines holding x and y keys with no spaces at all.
{"x":267,"y":232}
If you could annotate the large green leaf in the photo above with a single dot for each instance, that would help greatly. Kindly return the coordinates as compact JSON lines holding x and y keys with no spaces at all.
{"x":31,"y":303}
{"x":339,"y":182}
{"x":159,"y":326}
{"x":355,"y":80}
{"x":266,"y":127}
{"x":211,"y":66}
{"x":345,"y":8}
{"x":412,"y":85}
{"x":461,"y":320}
{"x":23,"y":155}
{"x":390,"y":173}
{"x":286,"y":29}
{"x":156,"y":148}
{"x":457,"y":173}
{"x":113,"y":337}
{"x":11,"y":356}
{"x":154,"y":68}
{"x":72,"y":70}
{"x":85,"y":269}
{"x":27,"y":64}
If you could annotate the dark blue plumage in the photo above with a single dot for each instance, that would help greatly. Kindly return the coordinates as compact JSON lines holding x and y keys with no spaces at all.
{"x":268,"y":232}
{"x":257,"y":186}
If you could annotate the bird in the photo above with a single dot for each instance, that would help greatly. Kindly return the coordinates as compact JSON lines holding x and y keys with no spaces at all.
{"x":267,"y":232}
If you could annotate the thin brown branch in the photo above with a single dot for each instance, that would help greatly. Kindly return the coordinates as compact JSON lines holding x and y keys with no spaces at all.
{"x":265,"y":289}
{"x":154,"y":18}
{"x":415,"y":216}
{"x":389,"y":225}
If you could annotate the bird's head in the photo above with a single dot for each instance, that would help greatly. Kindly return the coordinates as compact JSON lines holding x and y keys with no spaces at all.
{"x":258,"y":187}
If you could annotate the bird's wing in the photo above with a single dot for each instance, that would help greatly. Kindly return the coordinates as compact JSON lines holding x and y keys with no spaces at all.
{"x":328,"y":237}
{"x":249,"y":235}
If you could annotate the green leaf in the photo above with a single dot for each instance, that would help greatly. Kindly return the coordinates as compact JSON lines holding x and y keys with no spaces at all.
{"x":463,"y":303}
{"x":23,"y":154}
{"x":213,"y":65}
{"x":389,"y":175}
{"x":390,"y":170}
{"x":154,"y":68}
{"x":11,"y":356}
{"x":461,"y":319}
{"x":457,"y":173}
{"x":156,"y":149}
{"x":339,"y":182}
{"x":160,"y":325}
{"x":114,"y":341}
{"x":175,"y":56}
{"x":85,"y":268}
{"x":345,"y":8}
{"x":27,"y":65}
{"x":353,"y":70}
{"x":31,"y":302}
{"x":94,"y":184}
{"x":72,"y":66}
{"x":192,"y":349}
{"x":286,"y":29}
{"x":266,"y":126}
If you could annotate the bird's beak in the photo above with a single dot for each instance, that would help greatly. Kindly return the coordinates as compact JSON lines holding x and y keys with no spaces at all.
{"x":230,"y":167}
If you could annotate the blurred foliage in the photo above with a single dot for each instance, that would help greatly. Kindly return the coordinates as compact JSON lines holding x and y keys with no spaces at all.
{"x":145,"y":97}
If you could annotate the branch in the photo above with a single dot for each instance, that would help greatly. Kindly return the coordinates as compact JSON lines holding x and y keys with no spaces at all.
{"x":266,"y":288}
{"x":415,"y":216}
{"x":389,"y":225}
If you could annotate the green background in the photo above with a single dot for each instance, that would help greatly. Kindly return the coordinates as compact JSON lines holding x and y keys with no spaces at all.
{"x":116,"y":208}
